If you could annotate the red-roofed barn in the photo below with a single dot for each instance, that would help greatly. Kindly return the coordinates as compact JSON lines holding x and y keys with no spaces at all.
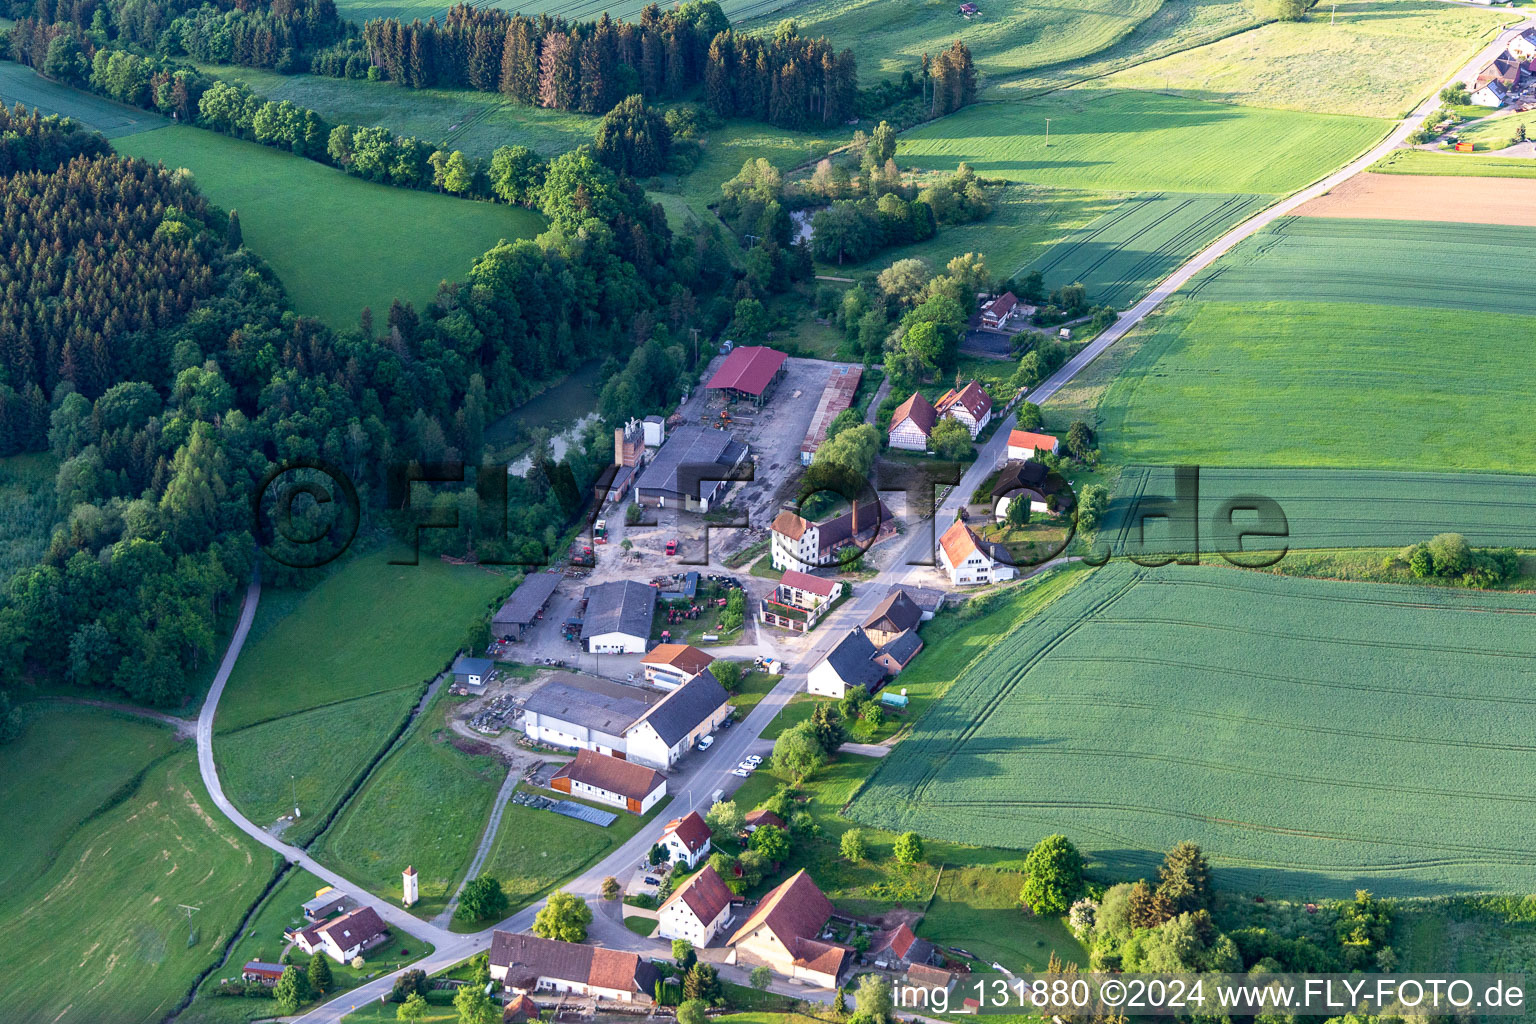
{"x":750,"y":371}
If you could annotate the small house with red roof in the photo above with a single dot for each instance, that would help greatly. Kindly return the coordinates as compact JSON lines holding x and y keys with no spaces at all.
{"x":898,"y":948}
{"x":911,"y":424}
{"x":1023,"y":444}
{"x":968,"y":560}
{"x":998,"y":312}
{"x":686,"y":839}
{"x":970,"y":405}
{"x":799,"y":601}
{"x":697,"y":910}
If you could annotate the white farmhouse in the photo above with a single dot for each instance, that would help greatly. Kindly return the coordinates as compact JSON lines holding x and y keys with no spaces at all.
{"x":969,"y":560}
{"x":697,"y":910}
{"x":911,"y":424}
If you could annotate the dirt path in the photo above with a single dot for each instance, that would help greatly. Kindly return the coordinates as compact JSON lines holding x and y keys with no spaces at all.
{"x":186,"y":728}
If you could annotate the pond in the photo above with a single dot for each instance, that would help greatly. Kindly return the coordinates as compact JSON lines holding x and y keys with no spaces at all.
{"x":564,"y":409}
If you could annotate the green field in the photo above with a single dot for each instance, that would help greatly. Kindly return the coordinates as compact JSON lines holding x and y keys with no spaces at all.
{"x":727,"y":148}
{"x":1381,"y":262}
{"x":1416,"y":161}
{"x":20,"y":84}
{"x":1007,"y":37}
{"x":426,"y":805}
{"x":1376,"y":58}
{"x":111,"y":895}
{"x":1324,"y":384}
{"x":1135,"y":141}
{"x":1335,"y":508}
{"x":339,"y":243}
{"x":1123,"y":253}
{"x":1277,"y":722}
{"x":475,"y":122}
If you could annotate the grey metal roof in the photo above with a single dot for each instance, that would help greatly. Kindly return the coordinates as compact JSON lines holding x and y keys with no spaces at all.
{"x":528,"y":599}
{"x":623,"y":606}
{"x":609,"y":708}
{"x":926,"y":598}
{"x":466,"y":666}
{"x":690,"y":445}
{"x":903,"y":647}
{"x":681,"y":711}
{"x":852,"y":659}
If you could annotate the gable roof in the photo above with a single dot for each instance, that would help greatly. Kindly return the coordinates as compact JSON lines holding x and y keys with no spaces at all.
{"x":1031,"y":440}
{"x":897,"y":612}
{"x":971,"y":397}
{"x":930,"y":977}
{"x":706,"y":894}
{"x":527,"y":958}
{"x":463,"y":665}
{"x":927,"y":599}
{"x":790,"y":525}
{"x":852,"y":660}
{"x":615,"y":775}
{"x":1004,"y":303}
{"x":904,"y":647}
{"x":691,"y":830}
{"x":1502,"y":68}
{"x":681,"y":711}
{"x":821,"y":957}
{"x":692,"y":446}
{"x":960,"y":542}
{"x":794,"y":910}
{"x":762,"y":816}
{"x":810,"y":584}
{"x":917,"y":409}
{"x":685,"y":657}
{"x":748,"y":368}
{"x":622,"y":606}
{"x":593,"y":704}
{"x":356,"y":928}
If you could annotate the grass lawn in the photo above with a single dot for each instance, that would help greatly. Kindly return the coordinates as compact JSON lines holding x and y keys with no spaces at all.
{"x":27,"y":495}
{"x":426,"y":805}
{"x":262,"y":939}
{"x":1339,"y":727}
{"x":727,"y":148}
{"x":754,"y":687}
{"x":357,"y":243}
{"x":1141,"y":141}
{"x":537,"y":850}
{"x":1417,"y":161}
{"x":641,"y":925}
{"x":367,"y":627}
{"x":475,"y":122}
{"x":1007,"y":37}
{"x":1376,"y":58}
{"x":977,"y":909}
{"x":20,"y":84}
{"x":111,"y":897}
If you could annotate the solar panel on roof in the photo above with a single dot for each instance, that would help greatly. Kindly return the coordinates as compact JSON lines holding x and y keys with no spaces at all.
{"x":581,"y":812}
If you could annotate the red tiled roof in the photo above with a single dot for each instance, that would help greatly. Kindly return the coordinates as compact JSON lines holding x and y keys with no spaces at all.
{"x":691,"y":830}
{"x":811,"y":584}
{"x":625,"y":778}
{"x":761,"y":816}
{"x":1031,"y":440}
{"x":790,"y":525}
{"x":686,"y":657}
{"x":796,"y":909}
{"x":975,"y":400}
{"x":959,"y":543}
{"x":1001,"y":306}
{"x":821,"y":957}
{"x":749,"y":368}
{"x":705,"y":893}
{"x":917,"y":409}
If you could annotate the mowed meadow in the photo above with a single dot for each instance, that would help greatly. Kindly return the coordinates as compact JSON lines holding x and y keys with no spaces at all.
{"x":1313,"y":737}
{"x":337,"y":242}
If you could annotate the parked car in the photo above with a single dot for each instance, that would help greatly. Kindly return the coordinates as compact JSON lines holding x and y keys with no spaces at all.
{"x":741,"y":772}
{"x":748,"y":765}
{"x":706,"y":742}
{"x":652,"y":880}
{"x":754,"y":760}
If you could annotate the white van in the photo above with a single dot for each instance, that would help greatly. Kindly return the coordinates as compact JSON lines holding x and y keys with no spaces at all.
{"x":707,"y":742}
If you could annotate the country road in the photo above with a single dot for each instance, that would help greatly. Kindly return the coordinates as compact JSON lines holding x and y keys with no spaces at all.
{"x":705,"y":774}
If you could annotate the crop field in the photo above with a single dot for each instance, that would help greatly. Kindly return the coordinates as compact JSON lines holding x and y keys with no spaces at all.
{"x":110,"y":900}
{"x":1417,"y":161}
{"x":356,"y":243}
{"x":1007,"y":37}
{"x":20,"y":84}
{"x":1140,"y":141}
{"x":1419,"y":197}
{"x":1176,"y":26}
{"x":1376,"y":58}
{"x":475,"y":122}
{"x":1334,"y":508}
{"x":1324,"y":384}
{"x":1123,"y":253}
{"x":1381,"y":262}
{"x":426,"y":805}
{"x":1312,"y":737}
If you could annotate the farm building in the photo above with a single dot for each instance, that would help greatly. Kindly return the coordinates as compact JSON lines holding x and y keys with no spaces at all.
{"x":750,"y":372}
{"x":782,"y":934}
{"x":925,"y":983}
{"x":1023,"y":444}
{"x":999,"y":312}
{"x":697,"y":910}
{"x":671,"y":665}
{"x":1503,"y":69}
{"x":799,"y":601}
{"x":342,"y":938}
{"x":261,"y":971}
{"x":927,"y":599}
{"x":618,"y":617}
{"x":804,"y":546}
{"x":471,"y":674}
{"x":610,"y":780}
{"x":675,"y":724}
{"x":1492,"y":94}
{"x":970,"y":405}
{"x":585,"y":712}
{"x":850,"y":664}
{"x":691,"y":469}
{"x":1045,"y":491}
{"x":968,"y":560}
{"x":525,"y":964}
{"x":898,"y":652}
{"x":686,"y":839}
{"x":894,"y":615}
{"x":1523,"y":45}
{"x":525,"y":606}
{"x":911,"y":424}
{"x":837,"y":396}
{"x":899,"y":947}
{"x":327,"y":902}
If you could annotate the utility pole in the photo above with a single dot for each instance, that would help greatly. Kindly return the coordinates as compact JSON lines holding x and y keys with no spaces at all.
{"x":1047,"y":133}
{"x":294,"y":782}
{"x":190,"y":911}
{"x":695,"y":331}
{"x":1333,"y":15}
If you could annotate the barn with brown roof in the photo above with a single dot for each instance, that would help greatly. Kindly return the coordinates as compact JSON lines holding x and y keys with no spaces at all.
{"x":783,"y":934}
{"x":610,"y":780}
{"x":527,"y":963}
{"x":911,"y":424}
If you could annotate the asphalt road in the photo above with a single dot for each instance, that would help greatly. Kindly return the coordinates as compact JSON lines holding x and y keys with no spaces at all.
{"x":696,"y":786}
